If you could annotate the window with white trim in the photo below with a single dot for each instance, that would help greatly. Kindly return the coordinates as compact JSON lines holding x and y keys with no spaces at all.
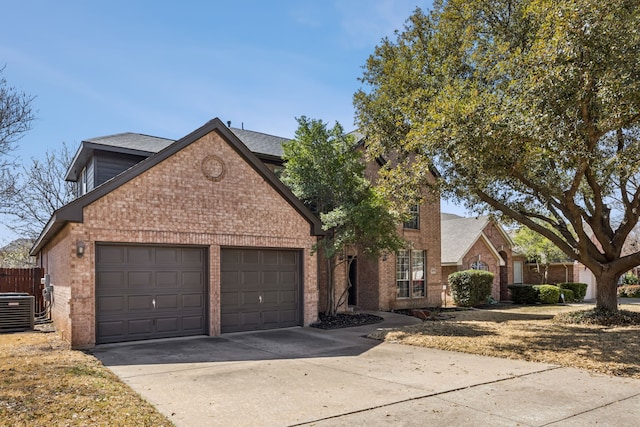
{"x":479,"y":265}
{"x":410,"y":274}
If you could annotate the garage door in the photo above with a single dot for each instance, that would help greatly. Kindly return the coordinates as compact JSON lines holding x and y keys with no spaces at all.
{"x":145,"y":292}
{"x":259,"y":289}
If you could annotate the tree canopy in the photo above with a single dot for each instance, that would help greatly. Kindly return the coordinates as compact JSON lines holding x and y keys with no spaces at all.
{"x":325,"y":169}
{"x":16,"y":116}
{"x":527,"y":108}
{"x":40,"y":190}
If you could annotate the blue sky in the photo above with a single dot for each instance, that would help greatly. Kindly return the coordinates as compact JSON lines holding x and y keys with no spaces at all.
{"x":164,"y":68}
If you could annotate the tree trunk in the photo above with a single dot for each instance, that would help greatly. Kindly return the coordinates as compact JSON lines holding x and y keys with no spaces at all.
{"x":607,"y":291}
{"x":330,"y":311}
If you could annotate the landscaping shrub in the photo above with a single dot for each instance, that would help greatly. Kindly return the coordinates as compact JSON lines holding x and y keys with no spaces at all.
{"x":630,"y":279}
{"x":629,"y":291}
{"x":470,"y":287}
{"x":568,"y":295}
{"x":548,"y":294}
{"x":579,"y":289}
{"x":524,"y":294}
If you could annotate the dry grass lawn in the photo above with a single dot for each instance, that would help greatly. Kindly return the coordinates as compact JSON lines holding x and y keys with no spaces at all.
{"x":45,"y":383}
{"x":529,"y":333}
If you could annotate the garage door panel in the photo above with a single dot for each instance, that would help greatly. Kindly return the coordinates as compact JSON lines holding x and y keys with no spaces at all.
{"x":289,"y":258}
{"x":114,"y":328}
{"x":111,"y":279}
{"x":140,"y":326}
{"x":168,"y":256}
{"x":192,"y":323}
{"x":249,"y":279}
{"x":139,"y":302}
{"x":193,"y":301}
{"x":132,"y":277}
{"x":267,"y":294}
{"x":169,"y":324}
{"x":192,"y":280}
{"x":110,"y":255}
{"x":139,"y":255}
{"x":229,"y":299}
{"x":167,"y":302}
{"x":288,"y":297}
{"x":139,"y":279}
{"x":167,"y":279}
{"x":113,"y":304}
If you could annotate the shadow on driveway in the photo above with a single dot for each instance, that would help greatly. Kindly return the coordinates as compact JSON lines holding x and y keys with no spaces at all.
{"x":289,"y":343}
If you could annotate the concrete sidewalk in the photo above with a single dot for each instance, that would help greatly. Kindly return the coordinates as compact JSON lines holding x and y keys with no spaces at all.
{"x":306,"y":376}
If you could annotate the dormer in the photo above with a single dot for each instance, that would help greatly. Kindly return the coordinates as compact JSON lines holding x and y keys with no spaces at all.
{"x":100,"y":159}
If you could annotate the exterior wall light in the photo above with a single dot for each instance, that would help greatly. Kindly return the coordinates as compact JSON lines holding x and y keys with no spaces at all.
{"x":80,"y":248}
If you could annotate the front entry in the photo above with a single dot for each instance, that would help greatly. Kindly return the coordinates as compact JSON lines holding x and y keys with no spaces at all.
{"x":353,"y":279}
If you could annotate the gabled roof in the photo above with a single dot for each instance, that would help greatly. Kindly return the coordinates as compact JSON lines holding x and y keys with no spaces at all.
{"x":73,"y":212}
{"x":459,"y":234}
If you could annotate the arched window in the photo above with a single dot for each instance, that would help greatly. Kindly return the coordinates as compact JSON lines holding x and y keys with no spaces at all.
{"x":479,"y":265}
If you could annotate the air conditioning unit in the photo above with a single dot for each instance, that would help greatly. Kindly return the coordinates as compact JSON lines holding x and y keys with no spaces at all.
{"x":16,"y":312}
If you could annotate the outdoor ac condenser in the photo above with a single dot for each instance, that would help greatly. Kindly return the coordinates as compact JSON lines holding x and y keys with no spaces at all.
{"x":16,"y":312}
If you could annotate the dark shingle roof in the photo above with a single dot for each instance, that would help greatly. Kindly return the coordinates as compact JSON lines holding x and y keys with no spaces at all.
{"x":261,"y":143}
{"x":458,"y":234}
{"x":133,"y":141}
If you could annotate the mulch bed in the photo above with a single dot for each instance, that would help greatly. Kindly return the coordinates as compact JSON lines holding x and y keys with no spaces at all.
{"x":345,"y":320}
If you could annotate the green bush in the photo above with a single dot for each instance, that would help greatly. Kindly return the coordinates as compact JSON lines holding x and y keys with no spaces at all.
{"x":548,"y":294}
{"x":629,"y":291}
{"x":568,"y":295}
{"x":470,"y":287}
{"x":523,"y":294}
{"x":579,"y":289}
{"x":630,"y":279}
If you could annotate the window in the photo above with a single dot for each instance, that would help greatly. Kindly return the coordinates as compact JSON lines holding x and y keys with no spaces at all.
{"x":414,"y":222}
{"x":410,"y":274}
{"x":479,"y":265}
{"x":82,"y":183}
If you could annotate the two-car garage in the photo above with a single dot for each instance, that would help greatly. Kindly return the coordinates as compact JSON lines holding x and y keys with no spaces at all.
{"x":147,"y":292}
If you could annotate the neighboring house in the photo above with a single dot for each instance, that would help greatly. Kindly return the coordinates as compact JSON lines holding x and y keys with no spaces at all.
{"x":480,"y":243}
{"x":170,"y":239}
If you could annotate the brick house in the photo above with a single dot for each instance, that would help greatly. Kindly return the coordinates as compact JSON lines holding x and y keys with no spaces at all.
{"x":199,"y":237}
{"x":480,"y":243}
{"x":411,"y":278}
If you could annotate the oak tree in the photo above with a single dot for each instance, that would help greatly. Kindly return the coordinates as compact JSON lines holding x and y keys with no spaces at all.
{"x":527,"y":108}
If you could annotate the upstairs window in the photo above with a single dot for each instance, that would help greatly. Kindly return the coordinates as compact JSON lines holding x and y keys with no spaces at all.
{"x":413,"y":223}
{"x":479,"y":265}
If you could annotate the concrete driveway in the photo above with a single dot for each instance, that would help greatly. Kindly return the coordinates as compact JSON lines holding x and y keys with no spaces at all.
{"x":306,"y":376}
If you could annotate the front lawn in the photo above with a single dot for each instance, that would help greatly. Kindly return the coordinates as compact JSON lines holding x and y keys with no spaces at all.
{"x":530,"y":333}
{"x":45,"y":383}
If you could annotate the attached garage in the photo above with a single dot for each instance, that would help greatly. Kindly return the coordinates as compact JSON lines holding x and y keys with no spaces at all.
{"x":200,"y":238}
{"x":145,"y":292}
{"x":259,"y":289}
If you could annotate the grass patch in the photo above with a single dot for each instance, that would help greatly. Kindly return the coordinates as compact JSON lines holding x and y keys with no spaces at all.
{"x":44,"y":382}
{"x":600,"y":317}
{"x":533,"y":333}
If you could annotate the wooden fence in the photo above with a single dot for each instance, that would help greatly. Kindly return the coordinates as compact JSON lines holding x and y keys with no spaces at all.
{"x":26,"y":280}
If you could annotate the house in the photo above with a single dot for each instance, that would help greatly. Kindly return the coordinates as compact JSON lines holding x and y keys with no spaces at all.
{"x":167,"y":239}
{"x":198,"y":236}
{"x":480,"y":243}
{"x":411,"y":278}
